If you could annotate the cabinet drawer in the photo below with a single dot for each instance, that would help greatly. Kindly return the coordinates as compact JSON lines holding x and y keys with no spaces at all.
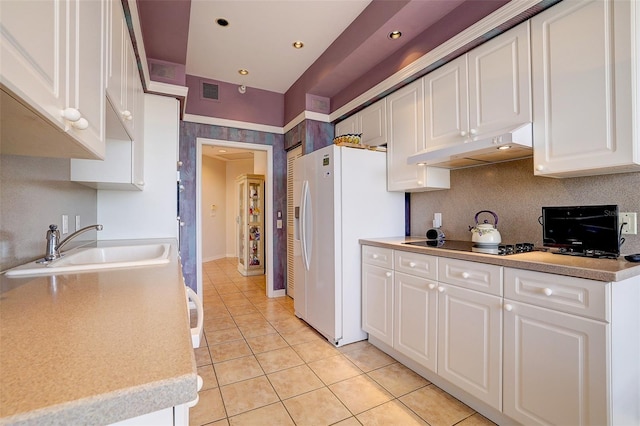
{"x":377,"y":256}
{"x":578,"y":296}
{"x":417,"y":264}
{"x":472,"y":275}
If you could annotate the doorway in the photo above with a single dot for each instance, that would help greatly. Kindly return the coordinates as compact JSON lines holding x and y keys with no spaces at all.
{"x":262,"y":154}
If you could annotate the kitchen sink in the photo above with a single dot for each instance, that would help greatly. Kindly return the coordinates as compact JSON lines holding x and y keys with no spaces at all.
{"x":96,"y":258}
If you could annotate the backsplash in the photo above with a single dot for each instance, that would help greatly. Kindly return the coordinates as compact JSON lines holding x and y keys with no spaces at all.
{"x":517,"y":196}
{"x":34,"y":193}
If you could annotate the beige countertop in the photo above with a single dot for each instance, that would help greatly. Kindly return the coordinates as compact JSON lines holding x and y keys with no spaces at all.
{"x":95,"y":347}
{"x":574,"y":266}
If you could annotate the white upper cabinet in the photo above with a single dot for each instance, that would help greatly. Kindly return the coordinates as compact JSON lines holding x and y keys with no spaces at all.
{"x":481,"y":93}
{"x":123,"y":78}
{"x":123,"y":165}
{"x":405,"y":115}
{"x":116,"y":63}
{"x":371,"y":122}
{"x":500,"y":82}
{"x":586,"y":88}
{"x":446,"y":104}
{"x":52,"y":74}
{"x":347,"y":126}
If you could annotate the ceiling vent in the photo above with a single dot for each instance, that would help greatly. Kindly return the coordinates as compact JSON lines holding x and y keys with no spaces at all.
{"x":210,"y":91}
{"x":163,"y":70}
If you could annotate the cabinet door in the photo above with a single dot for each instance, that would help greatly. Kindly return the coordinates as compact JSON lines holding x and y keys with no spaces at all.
{"x":138,"y":134}
{"x":582,"y":89}
{"x":87,"y":71}
{"x":405,"y":117}
{"x":415,"y":319}
{"x":470,"y":342}
{"x":446,"y":105}
{"x":377,"y":302}
{"x":33,"y":49}
{"x":554,"y":367}
{"x":500,"y":82}
{"x":116,"y":42}
{"x":347,"y":126}
{"x":129,"y":115}
{"x":372,"y":123}
{"x":406,"y":137}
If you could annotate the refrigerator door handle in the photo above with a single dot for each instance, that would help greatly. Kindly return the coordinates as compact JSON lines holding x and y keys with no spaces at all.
{"x":304,"y":224}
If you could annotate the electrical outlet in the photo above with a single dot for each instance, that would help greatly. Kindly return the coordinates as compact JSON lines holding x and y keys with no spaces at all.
{"x":65,"y":224}
{"x":631,"y":220}
{"x":437,"y":220}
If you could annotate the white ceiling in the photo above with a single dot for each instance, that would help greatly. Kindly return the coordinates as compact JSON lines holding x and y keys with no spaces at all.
{"x":229,"y":154}
{"x":259,"y":38}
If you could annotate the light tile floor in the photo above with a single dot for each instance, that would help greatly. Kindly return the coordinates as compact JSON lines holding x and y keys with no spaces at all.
{"x":263,"y":366}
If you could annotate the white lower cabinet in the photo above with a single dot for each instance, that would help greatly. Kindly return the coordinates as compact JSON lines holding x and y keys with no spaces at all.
{"x":172,"y":416}
{"x":377,"y":293}
{"x":519,"y":346}
{"x":554,"y":367}
{"x":470,"y":342}
{"x":451,"y":331}
{"x":415,"y":319}
{"x":555,"y":358}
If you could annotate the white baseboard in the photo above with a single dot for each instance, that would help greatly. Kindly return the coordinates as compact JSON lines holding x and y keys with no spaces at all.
{"x":279,"y":293}
{"x":210,"y":258}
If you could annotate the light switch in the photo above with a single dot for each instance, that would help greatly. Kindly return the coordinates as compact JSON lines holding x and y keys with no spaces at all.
{"x":77,"y":222}
{"x":65,"y":224}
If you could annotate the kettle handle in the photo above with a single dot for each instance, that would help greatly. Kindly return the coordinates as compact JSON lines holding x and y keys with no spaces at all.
{"x":495,"y":217}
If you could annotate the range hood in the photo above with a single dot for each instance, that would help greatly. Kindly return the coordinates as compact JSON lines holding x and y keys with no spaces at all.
{"x":489,"y":148}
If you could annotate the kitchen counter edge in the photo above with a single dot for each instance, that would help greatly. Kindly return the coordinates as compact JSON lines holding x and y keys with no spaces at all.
{"x":606,"y":270}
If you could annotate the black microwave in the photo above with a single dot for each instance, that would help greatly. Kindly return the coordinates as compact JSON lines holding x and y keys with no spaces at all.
{"x":582,"y":230}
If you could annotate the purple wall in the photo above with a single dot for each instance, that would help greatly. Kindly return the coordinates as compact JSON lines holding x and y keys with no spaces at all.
{"x":165,"y":26}
{"x":453,"y":23}
{"x":255,"y":106}
{"x":187,"y":202}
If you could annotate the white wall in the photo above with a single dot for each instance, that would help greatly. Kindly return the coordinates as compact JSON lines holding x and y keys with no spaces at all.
{"x":260,"y":162}
{"x":214,"y":188}
{"x":34,"y":193}
{"x":150,"y":213}
{"x":234,"y":169}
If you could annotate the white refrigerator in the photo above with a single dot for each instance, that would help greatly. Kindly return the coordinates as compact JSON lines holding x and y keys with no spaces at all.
{"x":340,"y":196}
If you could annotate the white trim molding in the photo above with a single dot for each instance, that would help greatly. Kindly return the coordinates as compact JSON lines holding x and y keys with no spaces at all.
{"x":202,"y":119}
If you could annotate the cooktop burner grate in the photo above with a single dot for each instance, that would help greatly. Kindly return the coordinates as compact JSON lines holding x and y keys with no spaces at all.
{"x":468,"y":246}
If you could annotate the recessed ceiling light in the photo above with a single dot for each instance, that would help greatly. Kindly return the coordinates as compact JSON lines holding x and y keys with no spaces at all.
{"x":243,"y":72}
{"x":222,"y":22}
{"x":298,"y":44}
{"x":504,"y":147}
{"x":394,"y":35}
{"x":222,"y":150}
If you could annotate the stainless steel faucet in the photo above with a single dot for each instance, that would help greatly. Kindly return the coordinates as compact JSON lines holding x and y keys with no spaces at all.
{"x":53,"y":240}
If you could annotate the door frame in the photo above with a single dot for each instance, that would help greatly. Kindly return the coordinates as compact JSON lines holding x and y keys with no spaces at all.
{"x":270,"y":292}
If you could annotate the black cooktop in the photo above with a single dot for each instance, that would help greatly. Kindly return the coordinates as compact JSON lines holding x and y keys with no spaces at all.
{"x":468,"y":246}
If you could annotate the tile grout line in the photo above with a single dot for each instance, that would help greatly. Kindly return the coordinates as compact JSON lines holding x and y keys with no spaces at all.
{"x":248,"y":293}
